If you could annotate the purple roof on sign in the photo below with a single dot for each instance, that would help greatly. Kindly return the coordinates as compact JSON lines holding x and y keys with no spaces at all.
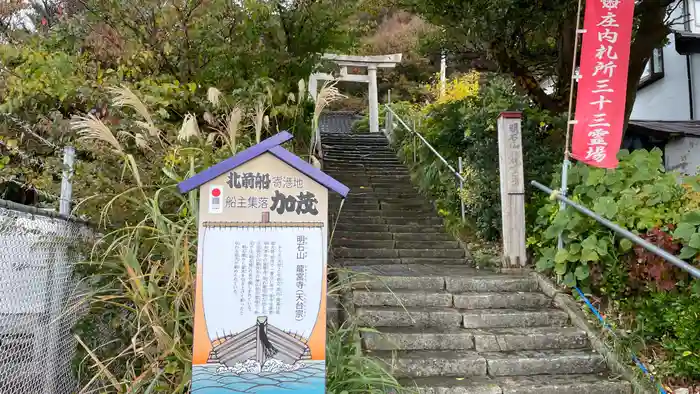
{"x":271,"y":145}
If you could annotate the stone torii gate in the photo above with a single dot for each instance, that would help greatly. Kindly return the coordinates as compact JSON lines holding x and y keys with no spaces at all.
{"x":371,"y":63}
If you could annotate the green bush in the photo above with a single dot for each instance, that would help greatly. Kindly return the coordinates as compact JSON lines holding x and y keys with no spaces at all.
{"x":651,"y":298}
{"x":639,"y":195}
{"x":467,"y":128}
{"x":402,"y":108}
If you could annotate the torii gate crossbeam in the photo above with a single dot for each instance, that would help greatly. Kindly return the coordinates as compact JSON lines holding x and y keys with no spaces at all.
{"x":371,"y":63}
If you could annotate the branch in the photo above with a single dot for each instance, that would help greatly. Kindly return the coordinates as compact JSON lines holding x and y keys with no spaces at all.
{"x":475,"y":60}
{"x":526,"y":80}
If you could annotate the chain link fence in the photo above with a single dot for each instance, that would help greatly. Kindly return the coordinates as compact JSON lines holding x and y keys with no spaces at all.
{"x":40,"y":299}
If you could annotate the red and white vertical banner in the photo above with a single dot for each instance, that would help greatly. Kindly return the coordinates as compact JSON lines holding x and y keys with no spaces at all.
{"x":602,"y":86}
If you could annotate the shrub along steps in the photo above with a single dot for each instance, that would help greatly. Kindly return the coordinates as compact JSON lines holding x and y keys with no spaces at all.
{"x":443,"y":326}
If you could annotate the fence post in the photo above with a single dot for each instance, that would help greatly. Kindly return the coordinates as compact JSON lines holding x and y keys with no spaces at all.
{"x":60,"y":274}
{"x":461,"y":187}
{"x":66,"y":182}
{"x":389,"y":119}
{"x":414,"y":141}
{"x":510,"y":157}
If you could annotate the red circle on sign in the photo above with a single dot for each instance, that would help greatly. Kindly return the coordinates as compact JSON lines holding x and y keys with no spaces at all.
{"x":216,"y":192}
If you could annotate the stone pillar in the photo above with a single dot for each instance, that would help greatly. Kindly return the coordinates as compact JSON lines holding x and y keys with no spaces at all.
{"x":373,"y":99}
{"x":510,"y":157}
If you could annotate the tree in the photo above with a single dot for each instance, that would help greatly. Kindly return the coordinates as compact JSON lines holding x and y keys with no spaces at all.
{"x":533,"y":41}
{"x":168,"y":52}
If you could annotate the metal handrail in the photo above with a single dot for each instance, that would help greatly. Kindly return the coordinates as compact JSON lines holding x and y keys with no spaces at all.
{"x":416,"y":133}
{"x":390,"y":116}
{"x":695,"y":272}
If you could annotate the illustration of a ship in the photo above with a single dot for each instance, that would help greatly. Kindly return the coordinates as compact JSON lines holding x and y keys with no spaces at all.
{"x":260,"y":342}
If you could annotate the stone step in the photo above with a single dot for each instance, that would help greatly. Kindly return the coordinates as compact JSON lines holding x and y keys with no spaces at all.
{"x":388,"y":202}
{"x":363,"y":243}
{"x":546,"y":384}
{"x":491,"y":283}
{"x":421,"y":277}
{"x":367,"y":195}
{"x":417,"y":228}
{"x":391,"y":195}
{"x":342,"y":148}
{"x":362,"y":236}
{"x":363,"y":181}
{"x":419,"y":363}
{"x":375,"y":178}
{"x":360,"y":162}
{"x":360,"y":170}
{"x":360,"y":156}
{"x":392,"y":244}
{"x":505,"y":300}
{"x":386,"y":235}
{"x":413,"y":237}
{"x":345,"y":149}
{"x":388,"y":220}
{"x":338,"y":169}
{"x":402,"y":298}
{"x":379,"y":162}
{"x":408,"y":338}
{"x":390,"y":213}
{"x":354,"y":139}
{"x":403,"y":190}
{"x":356,"y":143}
{"x":450,"y":385}
{"x":394,"y":228}
{"x":512,"y":318}
{"x":368,"y":173}
{"x":352,"y":227}
{"x":532,"y":338}
{"x":565,"y":384}
{"x":544,"y":362}
{"x":402,"y":244}
{"x":403,"y":261}
{"x":353,"y":253}
{"x":495,"y":340}
{"x":361,"y":207}
{"x":427,"y":277}
{"x":442,"y":318}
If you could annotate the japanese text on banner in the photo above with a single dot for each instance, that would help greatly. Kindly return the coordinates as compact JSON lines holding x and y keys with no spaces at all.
{"x":602,"y":87}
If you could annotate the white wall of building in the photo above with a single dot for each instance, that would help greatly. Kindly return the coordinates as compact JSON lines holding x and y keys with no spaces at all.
{"x":667,"y":98}
{"x":683,"y":155}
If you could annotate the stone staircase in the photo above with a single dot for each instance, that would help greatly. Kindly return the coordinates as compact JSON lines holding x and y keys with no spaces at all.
{"x":446,"y":328}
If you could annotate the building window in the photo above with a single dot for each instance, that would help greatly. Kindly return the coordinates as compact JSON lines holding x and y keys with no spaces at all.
{"x":654,"y":69}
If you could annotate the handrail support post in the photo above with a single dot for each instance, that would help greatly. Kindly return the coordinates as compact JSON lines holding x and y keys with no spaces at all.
{"x":461,"y":188}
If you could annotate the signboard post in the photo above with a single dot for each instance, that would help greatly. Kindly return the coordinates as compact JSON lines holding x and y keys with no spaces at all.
{"x":260,"y":303}
{"x":510,"y":157}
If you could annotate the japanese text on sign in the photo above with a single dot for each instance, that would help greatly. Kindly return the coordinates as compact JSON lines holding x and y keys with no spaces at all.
{"x":257,"y":276}
{"x":300,"y":296}
{"x":303,"y":203}
{"x":262,"y":181}
{"x":600,"y":104}
{"x":514,"y":158}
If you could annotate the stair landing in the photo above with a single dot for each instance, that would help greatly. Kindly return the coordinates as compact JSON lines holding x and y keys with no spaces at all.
{"x":444,"y":326}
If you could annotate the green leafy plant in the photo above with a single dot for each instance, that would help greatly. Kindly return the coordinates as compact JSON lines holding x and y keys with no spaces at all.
{"x":649,"y":298}
{"x":639,"y":195}
{"x":402,"y":108}
{"x":465,"y":126}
